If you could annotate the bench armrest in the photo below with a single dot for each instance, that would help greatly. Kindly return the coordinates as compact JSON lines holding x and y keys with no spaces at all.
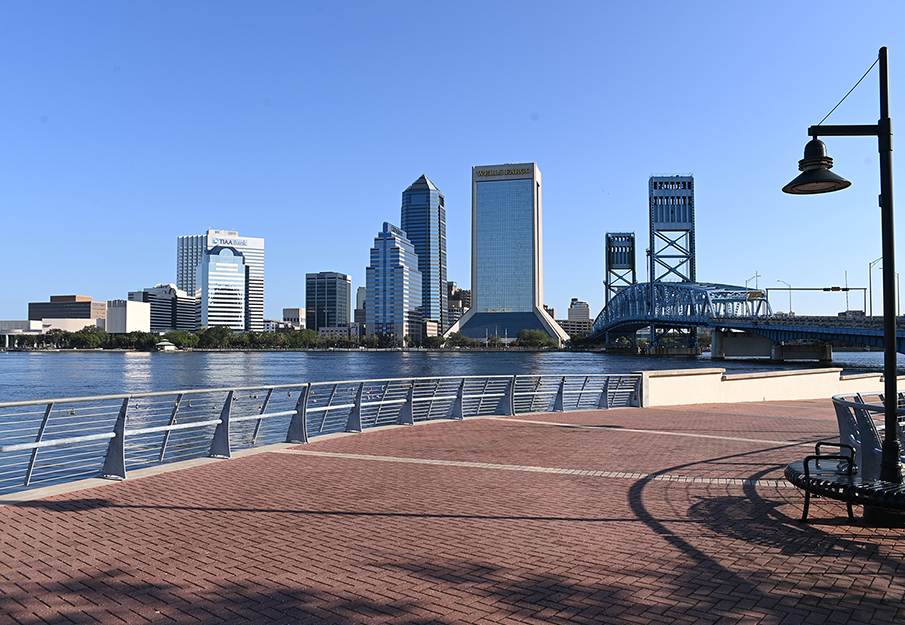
{"x":840,"y":446}
{"x":842,"y":459}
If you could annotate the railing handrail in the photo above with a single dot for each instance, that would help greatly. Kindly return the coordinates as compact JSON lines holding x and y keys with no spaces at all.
{"x":840,"y":399}
{"x":238,"y":389}
{"x":196,"y":391}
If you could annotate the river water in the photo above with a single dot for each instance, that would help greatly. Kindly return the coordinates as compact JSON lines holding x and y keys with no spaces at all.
{"x":46,"y":375}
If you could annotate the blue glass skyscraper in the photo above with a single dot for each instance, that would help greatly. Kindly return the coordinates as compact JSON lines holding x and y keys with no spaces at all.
{"x":424,"y":223}
{"x":393,"y":294}
{"x":506,"y":255}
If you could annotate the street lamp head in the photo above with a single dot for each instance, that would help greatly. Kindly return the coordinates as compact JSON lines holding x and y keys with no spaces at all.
{"x":816,"y":176}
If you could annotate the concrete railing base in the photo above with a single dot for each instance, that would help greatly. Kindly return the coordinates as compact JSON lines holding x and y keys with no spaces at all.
{"x":710,"y":386}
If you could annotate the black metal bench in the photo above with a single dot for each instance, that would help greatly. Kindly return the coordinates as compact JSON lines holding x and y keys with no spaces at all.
{"x":832,"y":476}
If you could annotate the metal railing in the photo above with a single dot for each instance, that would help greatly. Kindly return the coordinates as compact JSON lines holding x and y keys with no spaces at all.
{"x":52,"y":441}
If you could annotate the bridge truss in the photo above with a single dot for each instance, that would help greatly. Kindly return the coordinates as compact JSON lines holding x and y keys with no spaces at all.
{"x":676,"y":305}
{"x":680,"y":305}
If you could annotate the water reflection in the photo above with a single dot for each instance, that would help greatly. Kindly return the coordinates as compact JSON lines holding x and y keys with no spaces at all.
{"x":137,"y":371}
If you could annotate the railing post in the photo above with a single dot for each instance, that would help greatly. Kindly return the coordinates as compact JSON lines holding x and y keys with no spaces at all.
{"x":604,"y":401}
{"x":262,"y":410}
{"x":509,"y":398}
{"x":638,"y":387}
{"x":34,"y":452}
{"x":298,"y":426}
{"x":458,"y":411}
{"x":354,"y":422}
{"x":115,"y":462}
{"x":407,"y":414}
{"x":558,"y":403}
{"x":166,"y":435}
{"x":220,"y":443}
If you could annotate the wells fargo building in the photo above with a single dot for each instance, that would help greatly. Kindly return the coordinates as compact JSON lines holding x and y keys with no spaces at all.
{"x":506,"y":254}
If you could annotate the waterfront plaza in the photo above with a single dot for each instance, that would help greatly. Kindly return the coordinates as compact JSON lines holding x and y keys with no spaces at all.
{"x":636,"y":515}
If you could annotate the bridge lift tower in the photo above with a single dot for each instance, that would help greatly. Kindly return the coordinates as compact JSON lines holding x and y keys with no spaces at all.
{"x":671,"y":253}
{"x":620,"y":262}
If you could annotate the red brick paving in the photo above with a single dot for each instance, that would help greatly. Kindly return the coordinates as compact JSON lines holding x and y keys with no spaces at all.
{"x":288,"y":537}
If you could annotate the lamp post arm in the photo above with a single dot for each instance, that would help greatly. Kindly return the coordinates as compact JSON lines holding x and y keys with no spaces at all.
{"x":847,"y":130}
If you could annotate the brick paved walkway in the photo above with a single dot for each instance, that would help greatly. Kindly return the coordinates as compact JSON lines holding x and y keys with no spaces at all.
{"x":664,"y":515}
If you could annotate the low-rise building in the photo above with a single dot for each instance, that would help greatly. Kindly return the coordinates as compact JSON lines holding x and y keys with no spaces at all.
{"x":294,"y":317}
{"x":11,"y":329}
{"x":579,"y":322}
{"x":67,"y":307}
{"x":171,"y":308}
{"x":125,"y":316}
{"x":275,"y":325}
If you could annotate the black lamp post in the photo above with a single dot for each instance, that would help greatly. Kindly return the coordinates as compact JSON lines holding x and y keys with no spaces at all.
{"x":816,"y":177}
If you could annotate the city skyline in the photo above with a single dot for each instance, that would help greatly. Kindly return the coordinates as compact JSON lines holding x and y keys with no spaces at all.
{"x":125,"y":125}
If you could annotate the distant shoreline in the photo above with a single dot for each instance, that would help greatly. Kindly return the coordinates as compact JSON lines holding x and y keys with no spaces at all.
{"x":302,"y":349}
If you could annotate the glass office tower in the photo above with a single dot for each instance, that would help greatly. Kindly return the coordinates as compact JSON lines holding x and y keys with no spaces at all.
{"x":393,"y":294}
{"x":506,"y":255}
{"x":221,"y":278}
{"x":191,"y":249}
{"x":424,"y":222}
{"x":328,"y":300}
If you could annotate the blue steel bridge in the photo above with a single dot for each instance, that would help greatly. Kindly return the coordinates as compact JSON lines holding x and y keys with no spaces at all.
{"x":685,"y":305}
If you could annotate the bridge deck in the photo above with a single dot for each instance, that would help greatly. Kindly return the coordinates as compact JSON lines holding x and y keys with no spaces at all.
{"x":666,"y":515}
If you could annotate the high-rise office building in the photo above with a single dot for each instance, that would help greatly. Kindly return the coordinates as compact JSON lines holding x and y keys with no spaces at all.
{"x":171,"y":308}
{"x":506,"y":255}
{"x":359,"y":315}
{"x":190,"y":251}
{"x":328,"y":300}
{"x":393,"y":292}
{"x":424,"y":223}
{"x":221,"y":277}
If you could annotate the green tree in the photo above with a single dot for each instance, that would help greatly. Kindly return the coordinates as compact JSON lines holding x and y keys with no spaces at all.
{"x":57,"y":338}
{"x":433,"y":342}
{"x":494,"y":341}
{"x":239,"y":341}
{"x":457,"y":339}
{"x":91,"y":337}
{"x":302,"y":339}
{"x":181,"y":339}
{"x":214,"y":337}
{"x":534,"y":338}
{"x":142,"y":340}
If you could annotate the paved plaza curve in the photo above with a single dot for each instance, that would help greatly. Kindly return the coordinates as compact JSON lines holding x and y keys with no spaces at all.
{"x":638,"y":515}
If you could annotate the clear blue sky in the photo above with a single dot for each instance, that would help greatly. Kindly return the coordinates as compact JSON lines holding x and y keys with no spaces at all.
{"x":124,"y":125}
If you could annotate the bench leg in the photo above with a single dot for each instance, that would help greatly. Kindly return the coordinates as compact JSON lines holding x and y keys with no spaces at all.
{"x":807,"y":504}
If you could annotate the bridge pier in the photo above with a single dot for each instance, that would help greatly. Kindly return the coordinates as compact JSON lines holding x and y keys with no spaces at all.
{"x":675,"y":350}
{"x":817,"y":351}
{"x":727,"y":343}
